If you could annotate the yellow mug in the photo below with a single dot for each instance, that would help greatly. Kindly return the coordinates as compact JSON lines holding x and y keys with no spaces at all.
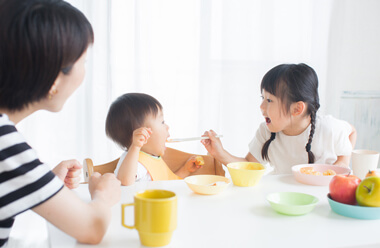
{"x":155,"y":216}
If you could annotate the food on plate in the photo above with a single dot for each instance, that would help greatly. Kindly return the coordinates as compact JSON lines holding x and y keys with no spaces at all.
{"x":372,"y":173}
{"x":311,"y":171}
{"x":368,"y":192}
{"x":199,"y":161}
{"x":218,"y":183}
{"x":343,"y":188}
{"x":329,"y":172}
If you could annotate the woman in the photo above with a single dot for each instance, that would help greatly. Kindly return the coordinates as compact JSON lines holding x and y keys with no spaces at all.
{"x":42,"y":54}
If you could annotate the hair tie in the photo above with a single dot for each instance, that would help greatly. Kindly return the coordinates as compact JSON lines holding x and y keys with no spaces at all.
{"x":308,"y":147}
{"x":272,"y":136}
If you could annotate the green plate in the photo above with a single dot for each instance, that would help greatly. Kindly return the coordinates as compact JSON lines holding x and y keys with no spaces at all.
{"x":292,"y":203}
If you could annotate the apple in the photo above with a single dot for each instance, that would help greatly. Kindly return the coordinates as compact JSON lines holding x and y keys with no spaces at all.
{"x":372,"y":173}
{"x":368,"y":192}
{"x":343,"y":188}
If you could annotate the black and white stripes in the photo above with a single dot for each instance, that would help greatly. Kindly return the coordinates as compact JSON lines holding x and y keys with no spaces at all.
{"x":25,"y":182}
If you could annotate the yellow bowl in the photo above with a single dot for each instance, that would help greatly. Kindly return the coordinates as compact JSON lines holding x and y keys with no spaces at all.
{"x":245,"y":174}
{"x":207,"y":184}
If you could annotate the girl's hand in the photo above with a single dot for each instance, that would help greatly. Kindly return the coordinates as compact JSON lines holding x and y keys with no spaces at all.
{"x":193,"y":164}
{"x":213,"y":145}
{"x":141,"y":136}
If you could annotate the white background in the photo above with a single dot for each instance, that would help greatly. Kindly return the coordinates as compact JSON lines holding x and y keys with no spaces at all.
{"x":204,"y":61}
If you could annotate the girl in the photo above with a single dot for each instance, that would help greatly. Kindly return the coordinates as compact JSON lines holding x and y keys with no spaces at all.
{"x":43,"y":49}
{"x":135,"y":122}
{"x":292,"y":133}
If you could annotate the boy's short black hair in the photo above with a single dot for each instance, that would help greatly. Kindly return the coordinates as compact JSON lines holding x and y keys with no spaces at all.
{"x":38,"y":40}
{"x":128,"y":113}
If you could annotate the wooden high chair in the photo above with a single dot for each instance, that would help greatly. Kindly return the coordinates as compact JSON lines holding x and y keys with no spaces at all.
{"x":172,"y":157}
{"x":89,"y":168}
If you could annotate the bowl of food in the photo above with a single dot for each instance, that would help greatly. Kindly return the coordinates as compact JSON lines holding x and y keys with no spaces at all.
{"x":292,"y":203}
{"x":245,"y":174}
{"x":317,"y":174}
{"x":207,"y":184}
{"x":354,"y":211}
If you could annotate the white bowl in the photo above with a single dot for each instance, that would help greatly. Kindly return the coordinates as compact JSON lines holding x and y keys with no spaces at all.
{"x":317,"y":180}
{"x":207,"y":184}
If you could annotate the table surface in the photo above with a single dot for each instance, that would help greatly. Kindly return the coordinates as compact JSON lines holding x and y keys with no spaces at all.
{"x":238,"y":217}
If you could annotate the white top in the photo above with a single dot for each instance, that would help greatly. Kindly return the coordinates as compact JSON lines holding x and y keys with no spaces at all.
{"x":331,"y":139}
{"x":25,"y":182}
{"x":142,"y":173}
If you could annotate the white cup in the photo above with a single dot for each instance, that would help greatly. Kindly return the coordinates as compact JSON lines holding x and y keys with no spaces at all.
{"x":364,"y":161}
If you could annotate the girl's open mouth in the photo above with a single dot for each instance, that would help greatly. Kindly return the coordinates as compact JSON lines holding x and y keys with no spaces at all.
{"x":267,"y":120}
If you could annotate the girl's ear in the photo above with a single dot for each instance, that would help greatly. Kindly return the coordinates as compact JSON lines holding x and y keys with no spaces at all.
{"x":298,"y":108}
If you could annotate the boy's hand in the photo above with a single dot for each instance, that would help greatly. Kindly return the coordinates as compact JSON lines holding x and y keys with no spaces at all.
{"x":141,"y":136}
{"x":69,"y":172}
{"x":194,"y":163}
{"x":213,"y":145}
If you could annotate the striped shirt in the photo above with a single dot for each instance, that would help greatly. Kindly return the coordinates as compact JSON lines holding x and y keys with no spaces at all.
{"x":25,"y":182}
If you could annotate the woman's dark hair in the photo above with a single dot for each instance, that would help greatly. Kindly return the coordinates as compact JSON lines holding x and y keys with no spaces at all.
{"x":38,"y":40}
{"x":292,"y":83}
{"x":128,"y":113}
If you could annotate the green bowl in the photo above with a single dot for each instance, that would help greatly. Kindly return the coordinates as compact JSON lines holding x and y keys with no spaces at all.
{"x":292,"y":203}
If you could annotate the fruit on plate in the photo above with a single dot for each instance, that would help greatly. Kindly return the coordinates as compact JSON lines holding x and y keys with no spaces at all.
{"x":311,"y":171}
{"x":368,"y":192}
{"x":343,"y":188}
{"x":372,"y":173}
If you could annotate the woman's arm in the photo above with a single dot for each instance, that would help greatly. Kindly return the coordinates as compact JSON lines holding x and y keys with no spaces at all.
{"x":86,"y":222}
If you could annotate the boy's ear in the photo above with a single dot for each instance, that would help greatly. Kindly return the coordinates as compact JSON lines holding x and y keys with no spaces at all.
{"x":298,"y":108}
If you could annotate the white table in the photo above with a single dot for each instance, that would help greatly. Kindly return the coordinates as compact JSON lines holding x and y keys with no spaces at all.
{"x":239,"y":217}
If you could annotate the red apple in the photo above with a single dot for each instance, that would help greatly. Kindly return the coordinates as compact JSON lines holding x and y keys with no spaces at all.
{"x":343,"y":188}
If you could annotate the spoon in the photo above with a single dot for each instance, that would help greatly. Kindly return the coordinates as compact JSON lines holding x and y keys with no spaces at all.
{"x":190,"y":139}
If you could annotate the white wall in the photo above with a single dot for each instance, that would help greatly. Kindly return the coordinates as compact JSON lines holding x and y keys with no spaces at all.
{"x":353,"y":67}
{"x":354,"y":50}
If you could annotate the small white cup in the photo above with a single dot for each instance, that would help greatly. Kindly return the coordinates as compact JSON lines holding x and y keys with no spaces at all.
{"x":364,"y":161}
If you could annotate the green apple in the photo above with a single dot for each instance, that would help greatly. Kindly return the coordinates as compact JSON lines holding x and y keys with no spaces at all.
{"x":368,"y":192}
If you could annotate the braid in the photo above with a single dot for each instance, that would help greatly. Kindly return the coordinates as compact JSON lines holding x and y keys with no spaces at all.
{"x":264,"y":150}
{"x":308,"y":145}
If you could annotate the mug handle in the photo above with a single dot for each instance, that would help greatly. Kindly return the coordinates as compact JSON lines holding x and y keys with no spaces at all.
{"x":122,"y":215}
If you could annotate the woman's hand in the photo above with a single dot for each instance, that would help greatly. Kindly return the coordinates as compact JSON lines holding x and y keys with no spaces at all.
{"x":105,"y":187}
{"x":69,"y":172}
{"x":213,"y":145}
{"x":141,"y":136}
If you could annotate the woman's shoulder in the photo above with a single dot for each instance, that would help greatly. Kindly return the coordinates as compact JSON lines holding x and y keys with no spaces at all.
{"x":4,"y":120}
